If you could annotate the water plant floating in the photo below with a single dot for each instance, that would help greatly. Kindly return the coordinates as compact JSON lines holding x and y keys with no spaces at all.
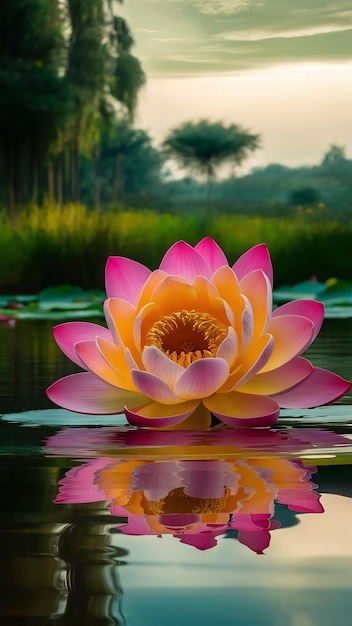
{"x":192,"y":339}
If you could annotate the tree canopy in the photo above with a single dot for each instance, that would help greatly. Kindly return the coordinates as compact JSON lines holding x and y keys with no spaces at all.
{"x":204,"y":146}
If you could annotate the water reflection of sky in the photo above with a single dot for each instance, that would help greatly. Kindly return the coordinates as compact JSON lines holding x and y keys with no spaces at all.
{"x":306,"y":580}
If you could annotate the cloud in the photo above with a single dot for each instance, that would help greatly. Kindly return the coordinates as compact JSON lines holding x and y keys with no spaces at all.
{"x":206,"y":36}
{"x":214,"y":7}
{"x":253,"y":35}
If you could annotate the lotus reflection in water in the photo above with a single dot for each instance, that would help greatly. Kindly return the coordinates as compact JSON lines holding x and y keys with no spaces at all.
{"x":192,"y":339}
{"x":194,"y":499}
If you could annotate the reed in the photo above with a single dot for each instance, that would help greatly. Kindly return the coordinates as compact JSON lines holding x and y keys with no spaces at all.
{"x":55,"y":245}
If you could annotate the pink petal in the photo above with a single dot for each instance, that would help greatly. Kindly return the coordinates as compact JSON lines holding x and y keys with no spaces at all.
{"x":255,"y":258}
{"x":156,"y":480}
{"x":279,"y":379}
{"x":211,"y":253}
{"x":301,"y":501}
{"x":118,"y":358}
{"x":202,"y":378}
{"x":250,"y":362}
{"x":130,"y":360}
{"x":320,"y":387}
{"x":156,"y":362}
{"x":292,"y":335}
{"x":204,"y":479}
{"x":85,"y":393}
{"x":124,"y":278}
{"x":79,"y":484}
{"x":201,"y":541}
{"x":265,"y":345}
{"x":229,"y":348}
{"x":93,"y":360}
{"x":156,"y":415}
{"x":256,"y":286}
{"x":136,"y":525}
{"x":154,"y":387}
{"x":256,"y":541}
{"x":311,"y":309}
{"x":247,"y":324}
{"x":178,"y":521}
{"x":183,"y":260}
{"x":242,"y":409}
{"x":68,"y":334}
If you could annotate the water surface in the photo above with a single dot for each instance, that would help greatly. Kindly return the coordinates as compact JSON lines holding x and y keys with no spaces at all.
{"x":108,"y":525}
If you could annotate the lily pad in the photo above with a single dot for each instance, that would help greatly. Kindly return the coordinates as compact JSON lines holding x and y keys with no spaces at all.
{"x":338,"y":312}
{"x":307,"y":289}
{"x":340,"y":293}
{"x":55,"y":303}
{"x":61,"y":417}
{"x":60,"y":315}
{"x":68,"y":297}
{"x":21,"y":299}
{"x":323,"y":415}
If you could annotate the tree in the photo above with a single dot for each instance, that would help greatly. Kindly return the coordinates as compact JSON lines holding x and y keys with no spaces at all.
{"x":335,"y":156}
{"x":33,"y":96}
{"x":63,"y":64}
{"x":128,"y":73}
{"x":204,"y":146}
{"x":127,"y":164}
{"x":304,"y":196}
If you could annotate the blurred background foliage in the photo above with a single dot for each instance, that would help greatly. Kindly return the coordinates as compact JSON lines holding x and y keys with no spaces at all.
{"x":79,"y":181}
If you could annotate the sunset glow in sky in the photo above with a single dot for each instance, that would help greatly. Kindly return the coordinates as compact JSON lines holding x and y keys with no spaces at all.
{"x":279,"y":69}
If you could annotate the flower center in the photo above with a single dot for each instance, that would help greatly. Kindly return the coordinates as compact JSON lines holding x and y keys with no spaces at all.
{"x":186,"y":336}
{"x":177,"y":501}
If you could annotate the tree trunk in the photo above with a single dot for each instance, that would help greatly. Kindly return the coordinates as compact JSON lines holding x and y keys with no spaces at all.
{"x":210,"y":179}
{"x":51,"y":185}
{"x":59,"y":180}
{"x":35,"y":176}
{"x":74,"y":155}
{"x":14,"y":182}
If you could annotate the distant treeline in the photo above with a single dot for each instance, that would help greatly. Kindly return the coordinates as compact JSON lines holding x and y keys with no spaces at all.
{"x":69,"y":85}
{"x":316,"y":192}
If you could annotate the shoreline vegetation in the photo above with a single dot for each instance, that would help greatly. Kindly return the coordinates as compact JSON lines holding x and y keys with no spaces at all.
{"x":56,"y":245}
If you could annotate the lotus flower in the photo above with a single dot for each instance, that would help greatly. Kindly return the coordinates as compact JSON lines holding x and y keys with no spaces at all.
{"x":192,"y":339}
{"x":195,"y":500}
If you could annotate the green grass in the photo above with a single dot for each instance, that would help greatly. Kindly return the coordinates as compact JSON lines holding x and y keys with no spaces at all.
{"x":53,"y":245}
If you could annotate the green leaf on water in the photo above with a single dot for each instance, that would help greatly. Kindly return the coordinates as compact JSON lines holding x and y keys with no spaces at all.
{"x":338,"y":294}
{"x":61,"y":417}
{"x":323,"y":415}
{"x":68,"y":297}
{"x":307,"y":289}
{"x":60,"y":314}
{"x":338,"y":312}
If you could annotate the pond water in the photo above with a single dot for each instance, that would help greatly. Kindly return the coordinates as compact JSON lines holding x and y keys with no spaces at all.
{"x":101,"y":524}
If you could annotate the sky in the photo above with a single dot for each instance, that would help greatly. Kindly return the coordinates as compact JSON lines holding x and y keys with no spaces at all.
{"x":278,"y":68}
